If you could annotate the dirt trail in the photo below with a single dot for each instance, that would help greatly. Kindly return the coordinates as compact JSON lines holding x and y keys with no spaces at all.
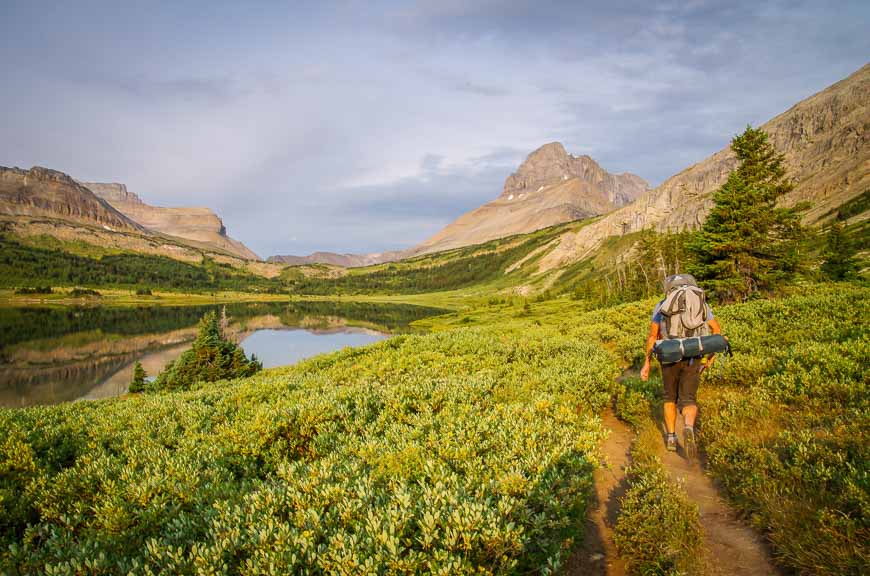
{"x":597,"y":555}
{"x":730,"y":547}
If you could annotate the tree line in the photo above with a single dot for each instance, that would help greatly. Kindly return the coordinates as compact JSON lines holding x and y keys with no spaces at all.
{"x":28,"y":266}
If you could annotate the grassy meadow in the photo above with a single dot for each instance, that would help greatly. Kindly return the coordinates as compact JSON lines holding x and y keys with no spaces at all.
{"x":466,"y":450}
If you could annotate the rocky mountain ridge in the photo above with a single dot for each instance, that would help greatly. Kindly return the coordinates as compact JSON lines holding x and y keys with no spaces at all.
{"x":45,"y":193}
{"x":826,"y":143}
{"x":42,"y":202}
{"x":197,"y":224}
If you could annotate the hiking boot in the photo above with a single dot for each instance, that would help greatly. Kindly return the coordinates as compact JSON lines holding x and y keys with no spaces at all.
{"x":691,"y":443}
{"x":671,"y":443}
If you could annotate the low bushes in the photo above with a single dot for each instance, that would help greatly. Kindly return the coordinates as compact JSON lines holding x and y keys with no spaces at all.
{"x":787,"y":422}
{"x":463,"y":452}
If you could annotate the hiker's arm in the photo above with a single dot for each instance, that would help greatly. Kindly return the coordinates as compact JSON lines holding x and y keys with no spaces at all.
{"x":715,"y":328}
{"x":650,"y":342}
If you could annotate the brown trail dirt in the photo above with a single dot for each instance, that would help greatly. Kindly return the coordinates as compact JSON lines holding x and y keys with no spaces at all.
{"x":730,"y":547}
{"x":597,"y":554}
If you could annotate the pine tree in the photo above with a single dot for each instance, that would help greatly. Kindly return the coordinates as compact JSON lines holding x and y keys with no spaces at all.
{"x":139,"y":375}
{"x":840,"y":262}
{"x":212,"y":357}
{"x":748,"y":244}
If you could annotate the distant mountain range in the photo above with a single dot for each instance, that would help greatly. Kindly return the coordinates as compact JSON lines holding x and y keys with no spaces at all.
{"x":43,"y":193}
{"x":550,"y":187}
{"x":825,"y":140}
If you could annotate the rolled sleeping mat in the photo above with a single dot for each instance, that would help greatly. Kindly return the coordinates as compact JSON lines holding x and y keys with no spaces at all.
{"x":676,"y":349}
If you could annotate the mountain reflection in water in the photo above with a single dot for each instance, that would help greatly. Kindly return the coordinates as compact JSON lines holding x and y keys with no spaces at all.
{"x":50,"y":355}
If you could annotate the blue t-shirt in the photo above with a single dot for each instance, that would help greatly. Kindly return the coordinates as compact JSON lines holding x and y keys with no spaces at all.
{"x":659,"y":318}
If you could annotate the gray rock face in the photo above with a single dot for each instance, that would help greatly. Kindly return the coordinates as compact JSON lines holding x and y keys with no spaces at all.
{"x":551,"y":164}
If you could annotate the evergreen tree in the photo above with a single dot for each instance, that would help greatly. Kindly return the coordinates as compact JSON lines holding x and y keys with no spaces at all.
{"x":840,"y":262}
{"x":748,"y":244}
{"x":139,"y":375}
{"x":212,"y":357}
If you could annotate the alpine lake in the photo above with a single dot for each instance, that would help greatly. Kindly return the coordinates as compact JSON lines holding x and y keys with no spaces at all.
{"x":59,"y":354}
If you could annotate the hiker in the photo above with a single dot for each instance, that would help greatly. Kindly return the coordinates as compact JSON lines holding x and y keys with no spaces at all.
{"x":682,"y":314}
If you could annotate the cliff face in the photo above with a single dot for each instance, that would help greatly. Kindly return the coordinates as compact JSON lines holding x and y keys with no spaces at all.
{"x":198,"y":224}
{"x":112,"y":192}
{"x":40,"y":192}
{"x":550,"y":187}
{"x":826,"y":143}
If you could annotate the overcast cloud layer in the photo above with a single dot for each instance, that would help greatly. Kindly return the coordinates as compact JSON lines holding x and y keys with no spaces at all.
{"x":366,"y":126}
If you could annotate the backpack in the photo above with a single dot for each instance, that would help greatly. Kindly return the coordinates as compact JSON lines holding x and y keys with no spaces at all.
{"x":684,"y":308}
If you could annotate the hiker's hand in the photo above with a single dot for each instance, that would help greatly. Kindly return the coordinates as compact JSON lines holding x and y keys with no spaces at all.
{"x":644,"y":372}
{"x":707,"y":366}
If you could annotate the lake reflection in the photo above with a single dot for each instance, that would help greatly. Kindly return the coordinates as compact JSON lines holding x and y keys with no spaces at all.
{"x":50,"y":355}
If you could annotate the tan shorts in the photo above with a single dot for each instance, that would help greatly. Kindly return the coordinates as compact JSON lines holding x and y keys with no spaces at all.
{"x":681,"y":380}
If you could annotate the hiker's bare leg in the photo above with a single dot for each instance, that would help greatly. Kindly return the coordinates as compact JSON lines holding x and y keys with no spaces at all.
{"x":690,"y":412}
{"x":670,"y":417}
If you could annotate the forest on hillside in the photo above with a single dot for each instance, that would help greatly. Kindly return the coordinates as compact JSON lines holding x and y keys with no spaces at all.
{"x":22,"y":266}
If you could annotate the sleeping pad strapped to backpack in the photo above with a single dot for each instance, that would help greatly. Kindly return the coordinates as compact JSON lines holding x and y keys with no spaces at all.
{"x":675,"y":349}
{"x":685,"y":311}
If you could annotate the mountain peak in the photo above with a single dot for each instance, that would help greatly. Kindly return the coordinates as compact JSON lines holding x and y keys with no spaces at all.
{"x":551,"y":164}
{"x":554,"y":150}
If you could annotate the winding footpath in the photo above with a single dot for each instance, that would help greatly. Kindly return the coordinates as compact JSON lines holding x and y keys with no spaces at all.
{"x":729,"y":546}
{"x":597,"y":555}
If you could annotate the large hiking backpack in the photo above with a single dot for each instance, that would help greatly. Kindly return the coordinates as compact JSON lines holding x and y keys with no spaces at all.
{"x":685,"y":331}
{"x":684,"y":308}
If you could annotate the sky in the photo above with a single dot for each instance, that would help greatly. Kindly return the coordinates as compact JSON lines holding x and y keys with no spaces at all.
{"x":363,"y":126}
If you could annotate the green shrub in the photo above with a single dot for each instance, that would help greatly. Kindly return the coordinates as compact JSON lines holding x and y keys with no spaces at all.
{"x":35,"y":290}
{"x":785,"y":425}
{"x":84,"y":293}
{"x":139,"y":378}
{"x":211,"y":358}
{"x":783,"y":421}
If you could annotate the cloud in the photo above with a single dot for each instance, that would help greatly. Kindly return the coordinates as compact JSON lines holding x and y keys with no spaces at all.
{"x":365,"y":126}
